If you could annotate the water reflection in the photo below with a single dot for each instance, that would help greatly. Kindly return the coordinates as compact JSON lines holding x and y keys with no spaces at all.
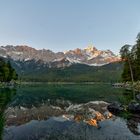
{"x":6,"y":96}
{"x":78,"y":93}
{"x":58,"y":128}
{"x":66,"y":113}
{"x":134,"y":125}
{"x":90,"y":113}
{"x":59,"y":121}
{"x":132,"y":120}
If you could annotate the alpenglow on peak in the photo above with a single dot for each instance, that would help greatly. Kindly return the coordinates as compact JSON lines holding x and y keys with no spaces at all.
{"x":90,"y":48}
{"x":88,"y":56}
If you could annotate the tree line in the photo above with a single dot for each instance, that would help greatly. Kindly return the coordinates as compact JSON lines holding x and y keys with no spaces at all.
{"x":130,"y":54}
{"x":7,"y":73}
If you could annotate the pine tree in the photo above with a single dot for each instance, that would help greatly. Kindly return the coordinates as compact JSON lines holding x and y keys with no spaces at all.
{"x":7,"y":73}
{"x":133,"y":61}
{"x":127,"y":57}
{"x":137,"y":61}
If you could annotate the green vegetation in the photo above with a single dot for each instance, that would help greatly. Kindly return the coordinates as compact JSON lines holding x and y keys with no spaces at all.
{"x":76,"y":73}
{"x":5,"y":97}
{"x":131,"y":56}
{"x":126,"y":98}
{"x":1,"y":125}
{"x":126,"y":115}
{"x":7,"y":73}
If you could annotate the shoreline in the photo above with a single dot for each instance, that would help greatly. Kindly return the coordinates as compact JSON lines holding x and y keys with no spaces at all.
{"x":63,"y":83}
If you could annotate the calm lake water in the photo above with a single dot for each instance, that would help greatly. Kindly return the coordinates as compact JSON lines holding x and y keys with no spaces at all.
{"x":29,"y":95}
{"x":51,"y":112}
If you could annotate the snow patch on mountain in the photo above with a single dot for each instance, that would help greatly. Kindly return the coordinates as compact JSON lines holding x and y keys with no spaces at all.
{"x":90,"y":56}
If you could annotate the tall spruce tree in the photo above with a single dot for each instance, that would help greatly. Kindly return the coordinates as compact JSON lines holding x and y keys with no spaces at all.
{"x":126,"y":55}
{"x":127,"y":58}
{"x":131,"y":59}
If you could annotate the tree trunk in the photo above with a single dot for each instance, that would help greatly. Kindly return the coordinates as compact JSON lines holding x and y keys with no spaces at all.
{"x":132,"y":77}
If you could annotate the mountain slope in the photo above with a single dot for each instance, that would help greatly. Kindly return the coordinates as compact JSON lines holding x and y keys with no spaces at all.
{"x":79,"y":65}
{"x":75,"y":73}
{"x":89,"y":56}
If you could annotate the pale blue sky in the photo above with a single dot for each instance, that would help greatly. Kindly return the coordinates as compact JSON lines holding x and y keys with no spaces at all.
{"x":67,"y":24}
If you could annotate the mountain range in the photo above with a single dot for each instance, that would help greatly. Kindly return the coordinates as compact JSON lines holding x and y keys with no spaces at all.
{"x":71,"y":65}
{"x":89,"y":56}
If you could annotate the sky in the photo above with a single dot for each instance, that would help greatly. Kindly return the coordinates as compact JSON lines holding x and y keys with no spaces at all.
{"x":61,"y":25}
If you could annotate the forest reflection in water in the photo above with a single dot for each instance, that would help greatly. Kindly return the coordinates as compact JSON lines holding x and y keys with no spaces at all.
{"x":6,"y":95}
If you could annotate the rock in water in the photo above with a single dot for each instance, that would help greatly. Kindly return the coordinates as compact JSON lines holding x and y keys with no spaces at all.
{"x":134,"y":107}
{"x":115,"y":108}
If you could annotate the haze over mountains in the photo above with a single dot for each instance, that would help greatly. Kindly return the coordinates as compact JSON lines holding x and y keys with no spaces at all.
{"x":89,"y":56}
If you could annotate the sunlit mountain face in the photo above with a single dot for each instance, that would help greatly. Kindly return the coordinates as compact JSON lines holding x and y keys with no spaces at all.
{"x":89,"y":64}
{"x":89,"y":56}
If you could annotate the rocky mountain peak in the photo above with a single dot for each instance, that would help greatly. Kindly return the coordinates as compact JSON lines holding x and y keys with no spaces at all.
{"x":90,"y":48}
{"x":24,"y":48}
{"x":89,"y":56}
{"x":78,"y":51}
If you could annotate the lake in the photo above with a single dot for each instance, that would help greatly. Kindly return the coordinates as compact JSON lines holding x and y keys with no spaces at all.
{"x":65,"y":112}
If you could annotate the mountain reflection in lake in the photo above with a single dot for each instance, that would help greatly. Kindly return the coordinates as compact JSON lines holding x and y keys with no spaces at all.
{"x":66,"y":112}
{"x":57,"y":128}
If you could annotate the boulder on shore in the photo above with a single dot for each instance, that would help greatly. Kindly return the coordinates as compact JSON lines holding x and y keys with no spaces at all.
{"x":134,"y":107}
{"x":115,"y":108}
